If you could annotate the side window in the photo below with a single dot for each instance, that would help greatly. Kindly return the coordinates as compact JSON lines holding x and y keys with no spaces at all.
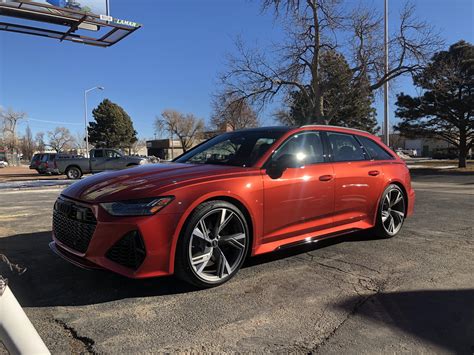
{"x":98,"y":153}
{"x":261,"y":146}
{"x":345,"y":147}
{"x":375,"y":150}
{"x":112,"y":154}
{"x":306,"y":147}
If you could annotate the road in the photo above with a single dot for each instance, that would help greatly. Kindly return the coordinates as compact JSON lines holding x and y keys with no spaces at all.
{"x":353,"y":294}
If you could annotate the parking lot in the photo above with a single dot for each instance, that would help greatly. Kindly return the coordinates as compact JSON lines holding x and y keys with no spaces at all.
{"x":352,"y":294}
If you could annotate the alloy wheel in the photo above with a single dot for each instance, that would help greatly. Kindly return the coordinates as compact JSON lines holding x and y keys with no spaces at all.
{"x":393,"y":211}
{"x":217,"y":245}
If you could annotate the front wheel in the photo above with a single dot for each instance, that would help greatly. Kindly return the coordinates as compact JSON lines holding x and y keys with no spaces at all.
{"x":213,"y":245}
{"x":73,"y":173}
{"x":391,"y":212}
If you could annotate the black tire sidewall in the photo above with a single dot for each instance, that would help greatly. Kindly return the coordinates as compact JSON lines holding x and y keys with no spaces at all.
{"x":183,"y":268}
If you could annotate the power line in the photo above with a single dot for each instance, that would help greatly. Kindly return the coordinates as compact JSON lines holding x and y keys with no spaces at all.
{"x":54,"y":122}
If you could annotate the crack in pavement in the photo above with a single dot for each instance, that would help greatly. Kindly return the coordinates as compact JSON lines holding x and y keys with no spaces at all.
{"x":86,"y":343}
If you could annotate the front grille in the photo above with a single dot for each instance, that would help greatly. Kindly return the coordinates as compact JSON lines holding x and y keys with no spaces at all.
{"x":73,"y":225}
{"x":129,"y":251}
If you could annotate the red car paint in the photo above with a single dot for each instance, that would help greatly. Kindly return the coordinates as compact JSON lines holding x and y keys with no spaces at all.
{"x":315,"y":201}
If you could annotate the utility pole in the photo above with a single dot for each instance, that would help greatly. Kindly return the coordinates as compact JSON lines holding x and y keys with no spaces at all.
{"x":386,"y":124}
{"x":85,"y":116}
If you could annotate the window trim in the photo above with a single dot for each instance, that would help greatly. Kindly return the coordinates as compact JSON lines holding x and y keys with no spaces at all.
{"x":322,"y":135}
{"x":331,"y":155}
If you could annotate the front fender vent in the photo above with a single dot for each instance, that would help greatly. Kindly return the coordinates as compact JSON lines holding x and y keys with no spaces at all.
{"x":129,"y":251}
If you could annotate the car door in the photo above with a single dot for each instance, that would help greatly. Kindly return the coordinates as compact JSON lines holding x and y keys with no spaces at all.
{"x":358,"y":179}
{"x":98,"y":160}
{"x":301,"y":199}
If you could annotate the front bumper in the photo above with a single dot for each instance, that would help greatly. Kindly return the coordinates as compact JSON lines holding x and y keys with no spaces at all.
{"x":156,"y":232}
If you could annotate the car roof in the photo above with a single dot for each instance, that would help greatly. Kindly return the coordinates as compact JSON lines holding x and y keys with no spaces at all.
{"x":305,"y":127}
{"x":265,"y":129}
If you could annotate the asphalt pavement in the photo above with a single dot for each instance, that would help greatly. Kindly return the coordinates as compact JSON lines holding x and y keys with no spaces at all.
{"x":351,"y":294}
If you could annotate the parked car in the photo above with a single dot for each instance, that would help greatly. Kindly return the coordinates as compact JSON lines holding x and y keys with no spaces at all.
{"x":47,"y":164}
{"x":239,"y":194}
{"x":36,"y":161}
{"x":3,"y":164}
{"x":100,"y":160}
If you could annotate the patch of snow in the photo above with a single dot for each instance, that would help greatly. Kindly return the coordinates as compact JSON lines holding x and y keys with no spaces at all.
{"x":34,"y":184}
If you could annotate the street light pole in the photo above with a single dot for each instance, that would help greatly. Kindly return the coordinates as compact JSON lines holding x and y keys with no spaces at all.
{"x":85,"y":115}
{"x":386,"y":124}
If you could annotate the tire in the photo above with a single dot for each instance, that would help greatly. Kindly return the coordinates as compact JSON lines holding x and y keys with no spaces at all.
{"x":210,"y":255}
{"x":391,"y":212}
{"x":73,"y":173}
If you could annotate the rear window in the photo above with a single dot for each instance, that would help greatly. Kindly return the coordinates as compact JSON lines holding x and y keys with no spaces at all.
{"x":98,"y":153}
{"x":345,"y":147}
{"x":375,"y":150}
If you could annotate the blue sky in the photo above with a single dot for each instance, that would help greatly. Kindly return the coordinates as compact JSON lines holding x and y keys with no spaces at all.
{"x":172,"y":62}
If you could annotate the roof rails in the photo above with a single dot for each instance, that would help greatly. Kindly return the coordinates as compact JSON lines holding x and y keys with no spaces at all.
{"x":322,"y":126}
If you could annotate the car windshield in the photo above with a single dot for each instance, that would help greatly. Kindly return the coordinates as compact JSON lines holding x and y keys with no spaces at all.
{"x":241,"y":148}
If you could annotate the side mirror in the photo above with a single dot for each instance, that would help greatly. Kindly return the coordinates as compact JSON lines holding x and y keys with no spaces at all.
{"x":286,"y":161}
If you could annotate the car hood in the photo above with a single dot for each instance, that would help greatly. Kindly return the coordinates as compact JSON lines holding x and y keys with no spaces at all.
{"x":145,"y":181}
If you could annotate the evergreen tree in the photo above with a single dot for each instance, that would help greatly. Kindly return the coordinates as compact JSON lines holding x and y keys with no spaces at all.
{"x":113,"y":127}
{"x":444,"y":110}
{"x":347,"y":101}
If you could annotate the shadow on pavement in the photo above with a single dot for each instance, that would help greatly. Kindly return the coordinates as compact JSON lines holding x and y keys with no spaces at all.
{"x":51,"y":281}
{"x":362,"y":236}
{"x":441,"y":172}
{"x":441,"y":317}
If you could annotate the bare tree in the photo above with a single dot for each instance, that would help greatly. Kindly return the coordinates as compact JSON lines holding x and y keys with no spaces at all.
{"x":60,"y":139}
{"x":39,"y":141}
{"x":186,"y":127}
{"x":231,"y":112}
{"x":139,"y":145}
{"x":313,"y":28}
{"x":80,"y":142}
{"x":27,"y":144}
{"x":9,"y":123}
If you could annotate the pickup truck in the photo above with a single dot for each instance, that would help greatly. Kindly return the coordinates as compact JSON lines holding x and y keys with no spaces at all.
{"x":100,"y":160}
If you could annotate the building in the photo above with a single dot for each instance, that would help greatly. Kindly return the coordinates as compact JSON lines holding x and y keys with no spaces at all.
{"x":165,"y":149}
{"x":424,"y":147}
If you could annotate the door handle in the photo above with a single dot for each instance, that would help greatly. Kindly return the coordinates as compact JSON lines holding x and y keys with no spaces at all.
{"x":374,"y":172}
{"x":325,"y":177}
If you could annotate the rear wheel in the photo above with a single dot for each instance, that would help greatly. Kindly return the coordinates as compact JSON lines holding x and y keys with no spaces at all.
{"x":73,"y":173}
{"x":213,"y":246}
{"x":391,"y":212}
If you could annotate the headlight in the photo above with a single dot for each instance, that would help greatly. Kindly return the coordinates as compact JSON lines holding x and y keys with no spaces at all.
{"x":142,"y":207}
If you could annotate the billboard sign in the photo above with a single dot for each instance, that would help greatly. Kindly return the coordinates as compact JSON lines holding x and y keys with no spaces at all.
{"x":97,"y":7}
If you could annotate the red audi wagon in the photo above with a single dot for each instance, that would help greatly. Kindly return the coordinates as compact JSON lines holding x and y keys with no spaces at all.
{"x":239,"y":194}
